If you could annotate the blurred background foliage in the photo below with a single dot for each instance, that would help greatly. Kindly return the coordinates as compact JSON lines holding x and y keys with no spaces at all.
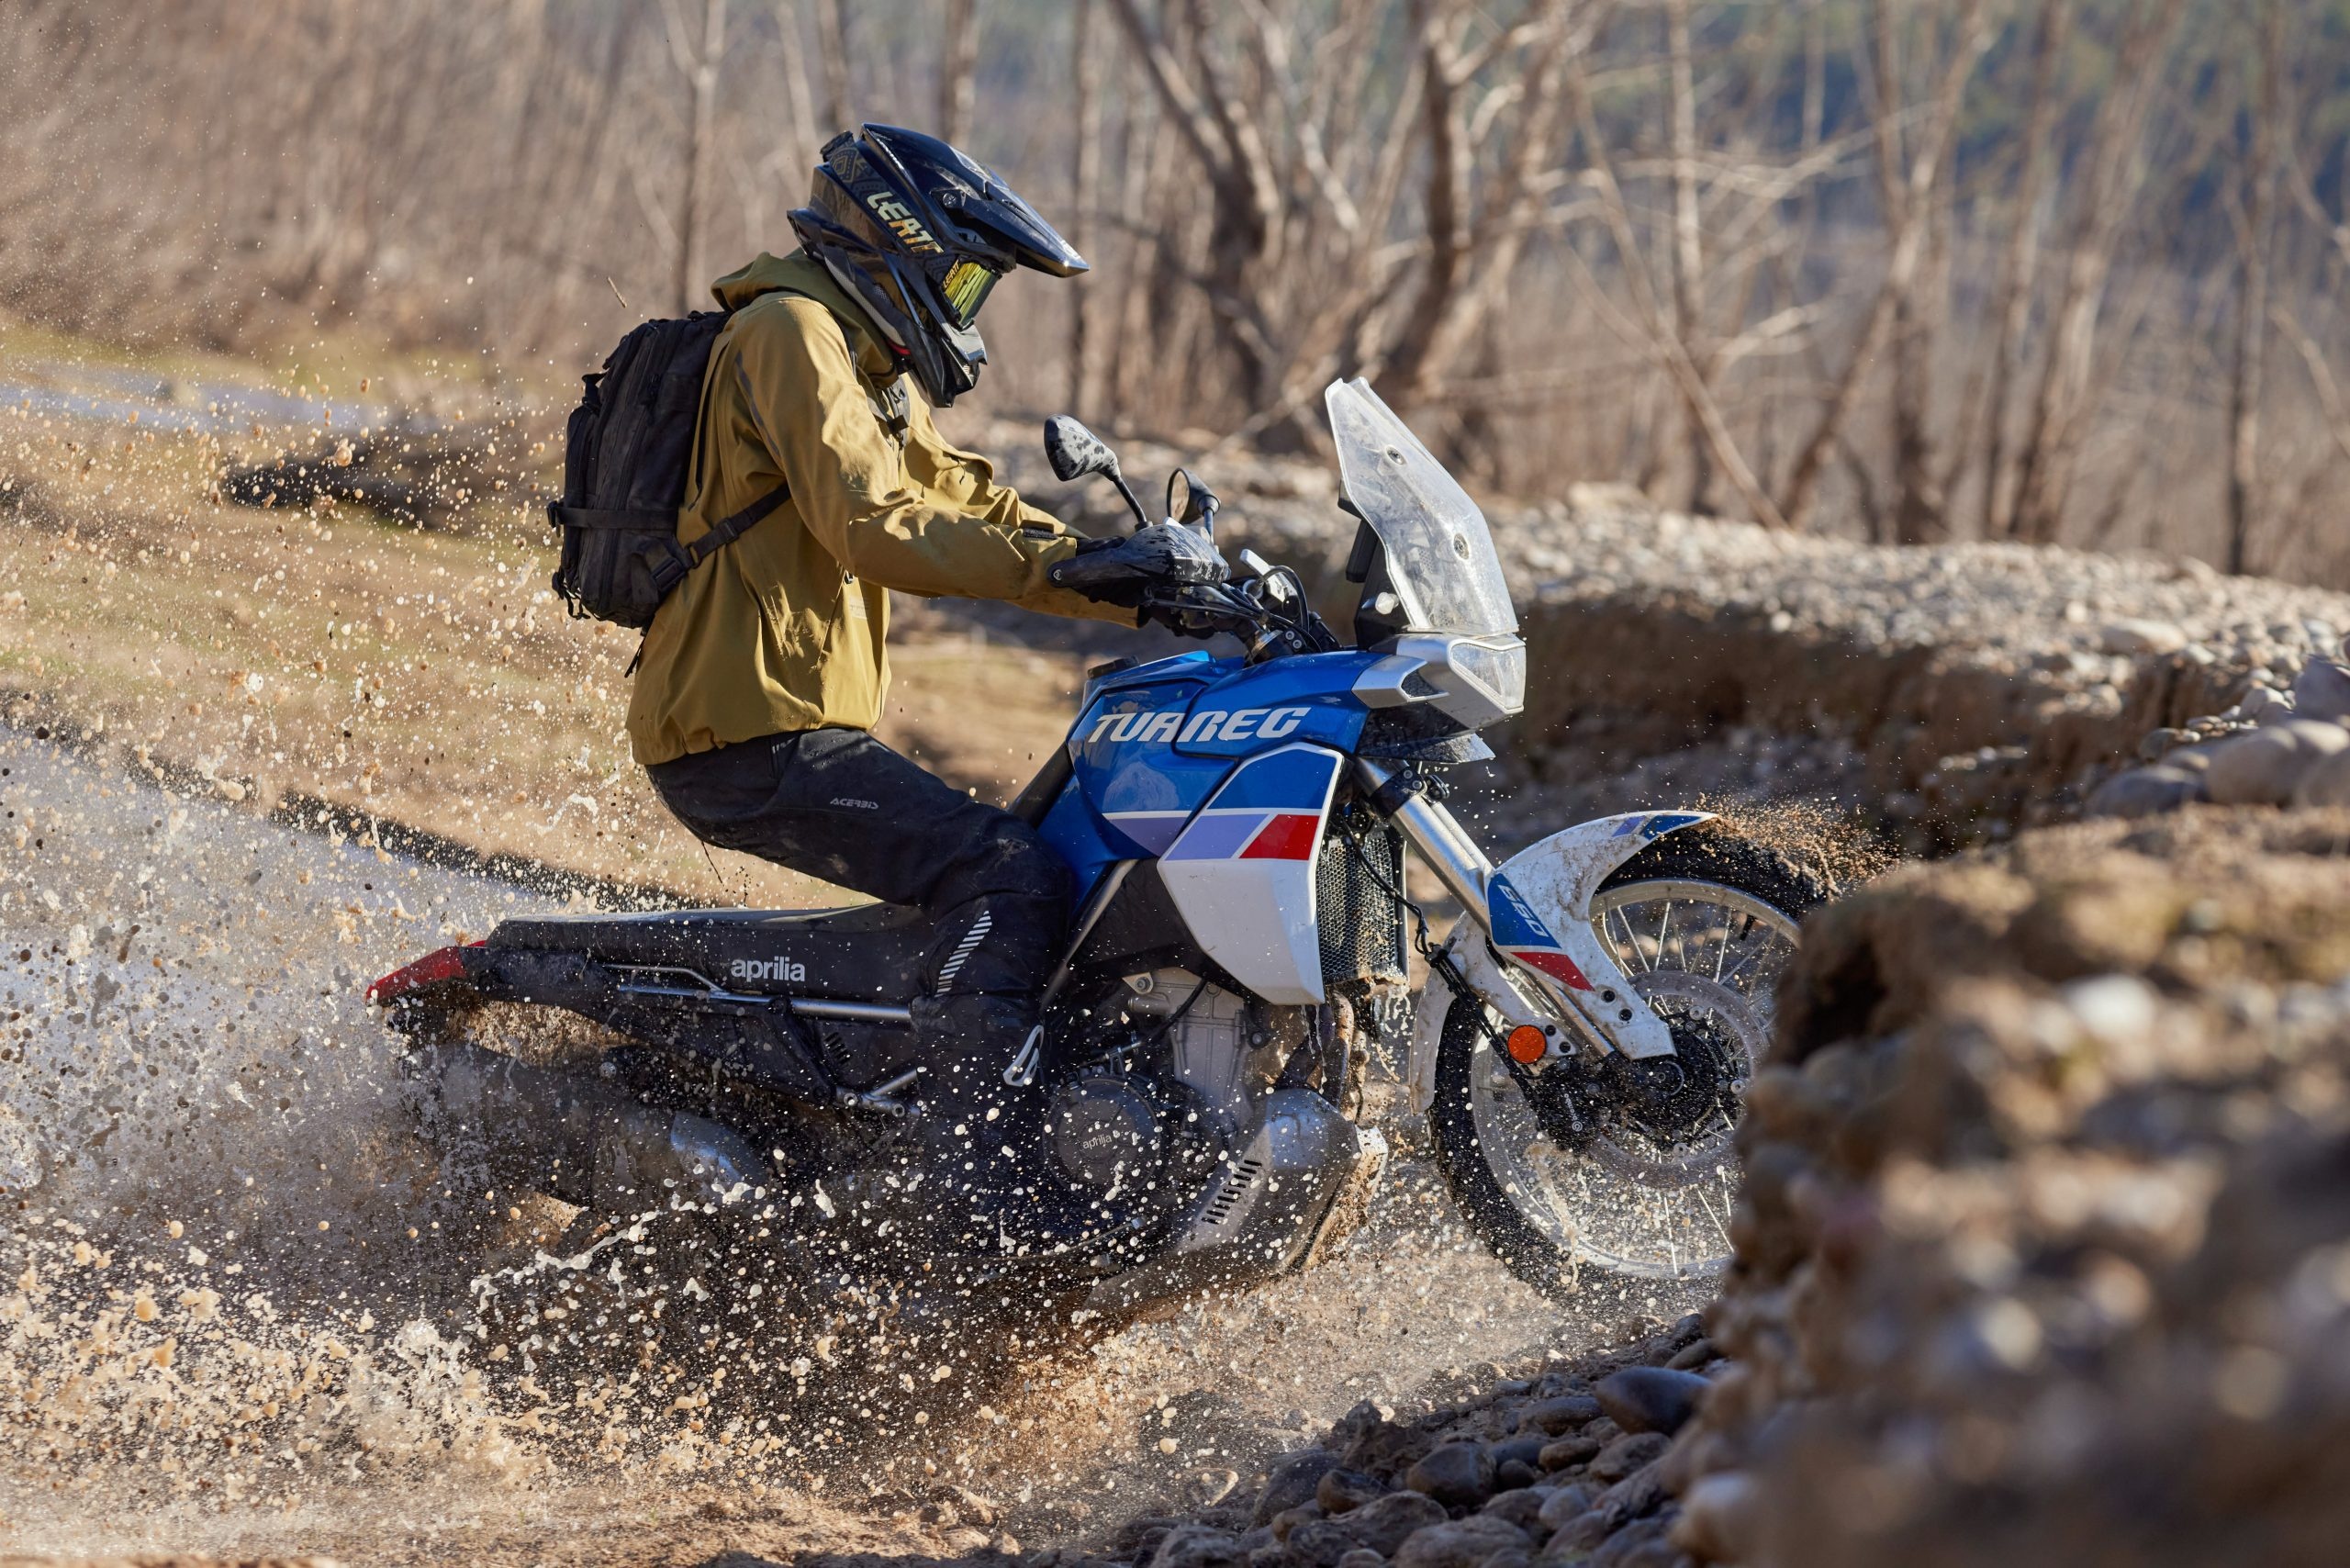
{"x":2051,"y":270}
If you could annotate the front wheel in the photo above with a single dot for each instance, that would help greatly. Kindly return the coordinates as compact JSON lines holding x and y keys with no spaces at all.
{"x":1629,"y":1168}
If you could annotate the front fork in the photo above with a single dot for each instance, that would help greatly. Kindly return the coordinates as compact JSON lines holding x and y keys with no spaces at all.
{"x":1605,"y":1012}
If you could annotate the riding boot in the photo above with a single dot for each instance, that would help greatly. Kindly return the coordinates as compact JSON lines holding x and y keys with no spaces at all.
{"x":985,"y":1137}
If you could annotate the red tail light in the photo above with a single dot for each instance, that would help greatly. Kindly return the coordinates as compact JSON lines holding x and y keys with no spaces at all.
{"x":447,"y":964}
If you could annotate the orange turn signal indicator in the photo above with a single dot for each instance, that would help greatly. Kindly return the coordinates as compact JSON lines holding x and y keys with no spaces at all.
{"x":1528,"y":1044}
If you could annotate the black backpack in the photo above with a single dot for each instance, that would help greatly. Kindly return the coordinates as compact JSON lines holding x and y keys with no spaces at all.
{"x":627,"y":453}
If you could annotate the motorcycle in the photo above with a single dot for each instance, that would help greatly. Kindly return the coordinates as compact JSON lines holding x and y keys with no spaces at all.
{"x":1237,"y":828}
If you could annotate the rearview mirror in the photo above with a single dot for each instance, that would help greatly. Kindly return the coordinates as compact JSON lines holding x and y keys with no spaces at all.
{"x":1074,"y":452}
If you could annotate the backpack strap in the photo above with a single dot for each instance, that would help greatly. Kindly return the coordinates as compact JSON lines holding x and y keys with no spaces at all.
{"x":669,"y":566}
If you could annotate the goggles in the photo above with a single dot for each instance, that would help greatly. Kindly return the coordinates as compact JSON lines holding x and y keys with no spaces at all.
{"x":964,"y":290}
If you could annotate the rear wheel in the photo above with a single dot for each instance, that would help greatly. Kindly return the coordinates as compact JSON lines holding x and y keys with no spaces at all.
{"x":1626,"y":1167}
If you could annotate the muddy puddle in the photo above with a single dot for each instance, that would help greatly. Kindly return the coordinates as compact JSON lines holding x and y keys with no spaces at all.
{"x":227,"y":1270}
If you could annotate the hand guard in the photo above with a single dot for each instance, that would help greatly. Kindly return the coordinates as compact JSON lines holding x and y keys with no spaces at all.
{"x":1122,"y":571}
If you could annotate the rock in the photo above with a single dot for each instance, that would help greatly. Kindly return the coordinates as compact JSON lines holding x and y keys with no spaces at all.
{"x":1629,"y":1453}
{"x":1639,"y":1544}
{"x":1569,"y":1450}
{"x":2265,"y":705}
{"x":1360,"y":1557}
{"x":2158,"y":742}
{"x":1561,"y":1415}
{"x":1288,"y":1519}
{"x":2264,"y":768}
{"x":1459,"y":1543}
{"x":1524,"y":1450}
{"x":1198,"y":1546}
{"x":1293,"y":1480}
{"x":1342,"y":1491}
{"x":1577,"y":1536}
{"x":1637,"y":1495}
{"x":2326,"y":784}
{"x":1387,"y":1449}
{"x":1567,"y":1504}
{"x":1138,"y":1538}
{"x":2146,"y":792}
{"x":1692,"y":1356}
{"x":1349,"y":1427}
{"x":2134,"y":636}
{"x":1719,"y":1518}
{"x":2322,"y":692}
{"x":1514,"y":1475}
{"x":1380,"y":1525}
{"x":1459,"y":1475}
{"x":1650,"y":1399}
{"x":1523,"y":1508}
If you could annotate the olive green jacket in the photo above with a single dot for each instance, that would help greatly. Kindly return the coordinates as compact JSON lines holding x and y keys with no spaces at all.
{"x":785,"y":627}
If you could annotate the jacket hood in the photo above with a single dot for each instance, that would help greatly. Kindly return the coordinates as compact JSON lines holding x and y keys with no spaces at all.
{"x":804,"y":275}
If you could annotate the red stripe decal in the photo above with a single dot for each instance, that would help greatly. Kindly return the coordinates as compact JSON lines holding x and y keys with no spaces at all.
{"x":1558,"y":965}
{"x":1289,"y":836}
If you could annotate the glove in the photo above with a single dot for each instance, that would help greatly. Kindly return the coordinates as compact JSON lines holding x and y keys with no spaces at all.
{"x":1122,"y":571}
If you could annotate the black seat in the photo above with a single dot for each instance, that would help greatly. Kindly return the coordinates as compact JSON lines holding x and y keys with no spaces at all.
{"x":869,"y":953}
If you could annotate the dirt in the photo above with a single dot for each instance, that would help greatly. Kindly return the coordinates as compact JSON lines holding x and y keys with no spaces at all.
{"x":2043,"y":1212}
{"x":225,"y":1250}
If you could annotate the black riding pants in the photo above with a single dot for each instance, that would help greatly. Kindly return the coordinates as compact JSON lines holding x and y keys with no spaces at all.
{"x":838,"y":804}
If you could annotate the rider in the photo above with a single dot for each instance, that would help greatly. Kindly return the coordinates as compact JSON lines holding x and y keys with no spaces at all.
{"x":763,"y":674}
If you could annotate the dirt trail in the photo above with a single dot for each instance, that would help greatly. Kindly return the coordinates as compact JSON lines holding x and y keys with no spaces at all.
{"x":220,"y":1236}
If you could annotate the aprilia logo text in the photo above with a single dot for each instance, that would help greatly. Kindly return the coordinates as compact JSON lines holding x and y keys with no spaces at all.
{"x":1241,"y":724}
{"x":768,"y":969}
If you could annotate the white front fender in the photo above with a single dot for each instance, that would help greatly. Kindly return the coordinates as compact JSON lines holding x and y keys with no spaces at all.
{"x":1538,"y":912}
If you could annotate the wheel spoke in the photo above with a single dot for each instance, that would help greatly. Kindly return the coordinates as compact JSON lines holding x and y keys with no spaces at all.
{"x":1647,"y":1198}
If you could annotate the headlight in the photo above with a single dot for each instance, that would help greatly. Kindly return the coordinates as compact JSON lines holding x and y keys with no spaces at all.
{"x":1498,"y":665}
{"x":1474,"y":681}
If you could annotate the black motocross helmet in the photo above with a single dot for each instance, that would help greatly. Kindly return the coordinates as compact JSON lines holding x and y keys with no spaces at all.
{"x":919,"y":233}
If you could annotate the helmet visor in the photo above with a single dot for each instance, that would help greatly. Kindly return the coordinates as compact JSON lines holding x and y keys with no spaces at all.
{"x":964,"y":290}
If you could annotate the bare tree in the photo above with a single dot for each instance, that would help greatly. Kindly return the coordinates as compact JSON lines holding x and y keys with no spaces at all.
{"x":2058,"y":422}
{"x":699,"y":62}
{"x":2019,"y":260}
{"x":1909,"y":195}
{"x":958,"y":71}
{"x":2252,"y":212}
{"x":1085,"y":180}
{"x":1688,"y":234}
{"x":833,"y":44}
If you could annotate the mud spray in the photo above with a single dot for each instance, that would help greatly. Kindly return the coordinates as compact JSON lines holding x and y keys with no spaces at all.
{"x":235,"y":1313}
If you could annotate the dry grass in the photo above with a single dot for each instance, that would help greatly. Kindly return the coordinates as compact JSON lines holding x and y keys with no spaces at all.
{"x":427,"y":679}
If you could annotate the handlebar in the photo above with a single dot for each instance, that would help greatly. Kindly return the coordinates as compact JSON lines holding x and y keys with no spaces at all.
{"x":1270,"y":624}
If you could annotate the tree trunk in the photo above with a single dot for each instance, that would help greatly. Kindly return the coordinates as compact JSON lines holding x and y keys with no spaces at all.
{"x":1085,"y":179}
{"x":958,"y":71}
{"x":701,"y":157}
{"x":2020,"y":268}
{"x":831,"y":42}
{"x":1688,"y":239}
{"x":2253,"y":236}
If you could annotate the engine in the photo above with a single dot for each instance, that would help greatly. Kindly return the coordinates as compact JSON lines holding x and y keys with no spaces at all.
{"x":1170,"y":1084}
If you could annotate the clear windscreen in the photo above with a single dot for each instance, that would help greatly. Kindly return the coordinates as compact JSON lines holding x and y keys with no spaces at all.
{"x":1439,"y":554}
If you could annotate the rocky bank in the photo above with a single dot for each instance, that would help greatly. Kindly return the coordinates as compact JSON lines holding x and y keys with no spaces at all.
{"x":2044,"y":1258}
